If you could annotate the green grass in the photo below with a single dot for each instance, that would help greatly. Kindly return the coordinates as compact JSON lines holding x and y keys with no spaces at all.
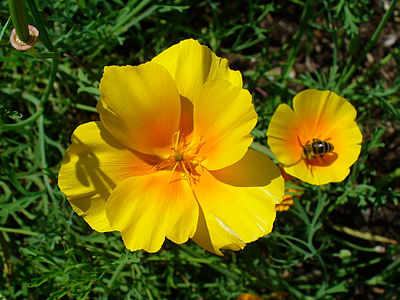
{"x":337,"y":242}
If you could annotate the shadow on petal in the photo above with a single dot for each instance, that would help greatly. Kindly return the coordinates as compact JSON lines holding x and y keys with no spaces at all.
{"x":95,"y":163}
{"x":88,"y":173}
{"x":202,"y":237}
{"x":323,"y":161}
{"x":254,"y":169}
{"x":186,"y":123}
{"x":148,"y":159}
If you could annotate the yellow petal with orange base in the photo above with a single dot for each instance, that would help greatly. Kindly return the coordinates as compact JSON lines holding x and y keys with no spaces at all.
{"x":321,"y":111}
{"x":140,"y":106}
{"x":93,"y":165}
{"x":147,"y":209}
{"x":191,"y":65}
{"x":237,"y":203}
{"x":283,"y":135}
{"x":223,"y":119}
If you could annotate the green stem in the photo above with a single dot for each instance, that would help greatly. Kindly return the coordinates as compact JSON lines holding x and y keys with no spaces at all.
{"x":41,"y":26}
{"x":49,"y":87}
{"x":363,"y":235}
{"x":210,"y":263}
{"x":368,"y":74}
{"x":262,"y":149}
{"x":40,"y":123}
{"x":19,"y":19}
{"x":40,"y":109}
{"x":86,"y":107}
{"x":305,"y":19}
{"x":4,"y":28}
{"x":116,"y":273}
{"x":34,"y":53}
{"x":333,"y":68}
{"x":23,"y":123}
{"x":368,"y":47}
{"x":43,"y":165}
{"x":18,"y":231}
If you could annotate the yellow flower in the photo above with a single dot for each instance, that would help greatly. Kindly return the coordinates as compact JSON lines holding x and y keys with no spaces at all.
{"x":288,"y":199}
{"x":319,"y":139}
{"x":249,"y":296}
{"x":170,"y":157}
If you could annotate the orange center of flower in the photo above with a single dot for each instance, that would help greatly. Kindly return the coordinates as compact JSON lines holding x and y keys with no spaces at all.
{"x":183,"y":160}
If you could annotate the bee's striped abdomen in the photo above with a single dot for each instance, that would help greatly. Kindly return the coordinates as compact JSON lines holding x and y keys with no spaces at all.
{"x":317,"y":148}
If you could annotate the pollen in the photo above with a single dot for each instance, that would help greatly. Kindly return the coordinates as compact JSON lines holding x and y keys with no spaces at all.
{"x":183,"y":159}
{"x":178,"y":156}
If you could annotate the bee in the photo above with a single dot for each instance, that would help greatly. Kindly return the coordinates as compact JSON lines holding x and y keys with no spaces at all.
{"x":316,"y":148}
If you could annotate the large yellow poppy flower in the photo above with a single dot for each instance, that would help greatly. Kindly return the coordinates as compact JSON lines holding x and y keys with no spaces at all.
{"x":170,"y":157}
{"x":318,"y":140}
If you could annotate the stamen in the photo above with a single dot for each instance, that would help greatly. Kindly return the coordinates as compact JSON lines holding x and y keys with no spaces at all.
{"x":183,"y":160}
{"x":172,"y":172}
{"x":176,"y":138}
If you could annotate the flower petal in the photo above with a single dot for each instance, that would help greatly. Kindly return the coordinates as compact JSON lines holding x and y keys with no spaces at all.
{"x":92,"y":166}
{"x":140,"y":106}
{"x":254,"y":169}
{"x":223,"y":119}
{"x":283,"y":135}
{"x":320,"y":112}
{"x":317,"y":175}
{"x":238,"y":202}
{"x":192,"y":64}
{"x":146,"y":209}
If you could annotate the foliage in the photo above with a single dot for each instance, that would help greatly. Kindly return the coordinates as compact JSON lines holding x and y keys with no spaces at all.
{"x":337,"y":242}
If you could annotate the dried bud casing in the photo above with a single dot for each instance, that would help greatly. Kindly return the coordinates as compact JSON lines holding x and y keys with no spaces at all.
{"x":20,"y":45}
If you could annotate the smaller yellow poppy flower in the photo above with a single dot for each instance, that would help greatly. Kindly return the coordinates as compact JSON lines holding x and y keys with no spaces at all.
{"x":319,"y":139}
